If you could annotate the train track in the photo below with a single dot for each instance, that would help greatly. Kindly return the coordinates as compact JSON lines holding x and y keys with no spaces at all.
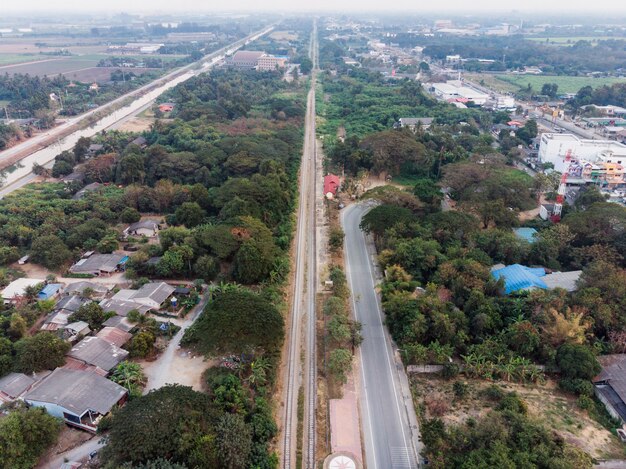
{"x":303,"y":306}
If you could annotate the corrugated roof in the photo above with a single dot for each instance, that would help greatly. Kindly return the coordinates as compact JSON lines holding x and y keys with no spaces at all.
{"x":98,"y":263}
{"x":518,"y":277}
{"x":14,"y":384}
{"x":527,"y":234}
{"x":155,"y":291}
{"x":565,"y":280}
{"x":119,"y":322}
{"x":77,"y":391}
{"x":98,"y":352}
{"x":114,"y":336}
{"x":123,"y":307}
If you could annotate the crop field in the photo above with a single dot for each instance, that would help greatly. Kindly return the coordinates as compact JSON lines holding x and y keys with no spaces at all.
{"x":52,"y":67}
{"x":100,"y":74}
{"x":514,"y":83}
{"x":10,"y":59}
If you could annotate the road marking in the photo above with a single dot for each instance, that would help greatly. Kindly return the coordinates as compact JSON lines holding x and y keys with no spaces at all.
{"x":402,"y":458}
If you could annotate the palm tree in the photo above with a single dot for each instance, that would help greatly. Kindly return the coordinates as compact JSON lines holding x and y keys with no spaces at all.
{"x":129,"y":375}
{"x":258,"y":371}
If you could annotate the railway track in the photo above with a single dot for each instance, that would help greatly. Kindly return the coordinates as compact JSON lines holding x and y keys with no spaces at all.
{"x":303,"y":306}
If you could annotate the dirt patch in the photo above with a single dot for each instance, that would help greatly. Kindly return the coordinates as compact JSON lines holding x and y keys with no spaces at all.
{"x":136,"y":124}
{"x":69,"y":438}
{"x":555,"y":409}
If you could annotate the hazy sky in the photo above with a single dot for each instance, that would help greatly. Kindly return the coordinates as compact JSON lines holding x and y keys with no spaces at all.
{"x":601,"y":7}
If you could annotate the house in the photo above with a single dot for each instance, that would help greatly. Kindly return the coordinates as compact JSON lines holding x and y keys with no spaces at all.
{"x":80,"y":398}
{"x":75,"y":331}
{"x":331,"y":185}
{"x":95,"y":290}
{"x":119,"y":322}
{"x":147,"y":228}
{"x":13,"y":385}
{"x":153,"y":294}
{"x":141,"y":142}
{"x":63,"y":309}
{"x":245,"y":59}
{"x":49,"y":291}
{"x":520,"y":278}
{"x":98,"y":352}
{"x":114,"y":335}
{"x":414,"y":123}
{"x":526,"y":234}
{"x":94,"y":186}
{"x":16,"y":290}
{"x":546,"y":211}
{"x":182,"y":291}
{"x":123,"y":307}
{"x":166,"y":107}
{"x":610,"y":385}
{"x":100,"y":264}
{"x":94,"y":149}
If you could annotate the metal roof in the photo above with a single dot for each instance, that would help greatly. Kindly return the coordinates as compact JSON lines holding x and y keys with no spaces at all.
{"x":114,"y":336}
{"x":98,"y":352}
{"x":98,"y":263}
{"x":77,"y":391}
{"x":527,"y":234}
{"x":14,"y":384}
{"x":518,"y":277}
{"x":155,"y":291}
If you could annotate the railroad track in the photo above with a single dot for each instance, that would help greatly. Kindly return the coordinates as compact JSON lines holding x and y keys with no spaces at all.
{"x":303,"y":307}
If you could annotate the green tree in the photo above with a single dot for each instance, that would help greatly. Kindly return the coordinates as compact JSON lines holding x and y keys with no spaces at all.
{"x":233,"y":441}
{"x":24,"y":435}
{"x":339,"y":362}
{"x":142,"y":344}
{"x":130,"y":215}
{"x":577,"y":361}
{"x":92,"y":313}
{"x":129,"y":375}
{"x":50,"y":251}
{"x":190,"y":214}
{"x":43,"y":351}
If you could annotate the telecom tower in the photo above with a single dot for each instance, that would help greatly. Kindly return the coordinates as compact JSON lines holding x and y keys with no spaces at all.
{"x":560,"y":197}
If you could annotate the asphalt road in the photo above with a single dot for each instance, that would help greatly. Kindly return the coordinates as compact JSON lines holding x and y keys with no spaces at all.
{"x":390,"y":433}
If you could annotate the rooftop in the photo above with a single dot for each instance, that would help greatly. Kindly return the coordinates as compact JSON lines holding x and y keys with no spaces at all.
{"x":98,"y":263}
{"x":14,"y":384}
{"x":155,"y":291}
{"x":527,"y":234}
{"x":78,"y":288}
{"x":77,"y":391}
{"x":18,"y":287}
{"x":119,"y":322}
{"x":98,"y":352}
{"x":114,"y":336}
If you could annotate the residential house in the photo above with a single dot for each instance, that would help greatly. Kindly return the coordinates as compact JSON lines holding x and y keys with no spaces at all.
{"x":414,"y":123}
{"x":75,"y":331}
{"x":95,"y":290}
{"x":610,"y":385}
{"x":546,"y":211}
{"x":100,"y":264}
{"x":521,"y":278}
{"x":141,"y":142}
{"x":63,"y":309}
{"x":80,"y":398}
{"x":123,"y":307}
{"x":94,"y":149}
{"x":98,"y":352}
{"x":16,"y":290}
{"x":153,"y":294}
{"x":119,"y":322}
{"x":147,"y":228}
{"x":166,"y":107}
{"x":13,"y":385}
{"x":94,"y":186}
{"x":331,"y":185}
{"x":114,"y":335}
{"x":50,"y":291}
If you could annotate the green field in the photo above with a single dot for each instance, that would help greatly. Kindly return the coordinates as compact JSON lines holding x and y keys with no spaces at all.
{"x":570,"y":40}
{"x":514,"y":83}
{"x":9,"y":59}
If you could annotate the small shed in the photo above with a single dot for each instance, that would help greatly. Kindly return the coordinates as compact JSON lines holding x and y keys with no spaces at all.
{"x":49,"y":291}
{"x":331,"y":185}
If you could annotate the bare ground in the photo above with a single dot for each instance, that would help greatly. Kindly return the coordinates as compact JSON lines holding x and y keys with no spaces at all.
{"x":69,"y":438}
{"x":555,"y":409}
{"x":136,"y":124}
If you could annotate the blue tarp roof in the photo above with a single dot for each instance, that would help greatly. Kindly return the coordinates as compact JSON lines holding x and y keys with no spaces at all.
{"x":518,"y":277}
{"x":527,"y":234}
{"x":49,"y":290}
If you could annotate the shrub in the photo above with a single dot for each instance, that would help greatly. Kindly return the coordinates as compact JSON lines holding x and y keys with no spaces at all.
{"x":436,"y":404}
{"x":585,"y":402}
{"x":581,"y":387}
{"x":450,"y":370}
{"x":461,"y":389}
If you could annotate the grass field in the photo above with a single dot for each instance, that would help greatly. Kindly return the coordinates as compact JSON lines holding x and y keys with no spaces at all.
{"x":514,"y":83}
{"x":570,"y":40}
{"x":10,"y":59}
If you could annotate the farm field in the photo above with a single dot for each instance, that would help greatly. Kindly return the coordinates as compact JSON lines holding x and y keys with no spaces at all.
{"x":100,"y":74}
{"x":10,"y":59}
{"x":514,"y":83}
{"x":52,"y":67}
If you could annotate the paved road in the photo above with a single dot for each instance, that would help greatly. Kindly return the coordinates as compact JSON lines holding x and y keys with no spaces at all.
{"x":388,"y":419}
{"x":78,"y":453}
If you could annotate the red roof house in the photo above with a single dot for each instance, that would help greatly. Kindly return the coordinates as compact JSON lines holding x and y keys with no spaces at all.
{"x":331,"y":184}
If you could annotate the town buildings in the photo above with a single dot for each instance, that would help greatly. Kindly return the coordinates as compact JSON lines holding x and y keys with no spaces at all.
{"x":256,"y":60}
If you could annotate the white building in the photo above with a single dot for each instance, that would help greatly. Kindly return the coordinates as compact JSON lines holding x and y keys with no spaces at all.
{"x":554,"y":148}
{"x":17,"y":289}
{"x":455,"y":89}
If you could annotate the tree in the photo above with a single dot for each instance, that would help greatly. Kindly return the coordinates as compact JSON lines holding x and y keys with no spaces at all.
{"x":92,"y":313}
{"x":130,"y":215}
{"x":17,"y":327}
{"x":190,"y":214}
{"x":142,"y":344}
{"x":24,"y":435}
{"x":233,"y":441}
{"x":206,"y":267}
{"x":577,"y":362}
{"x":43,"y":351}
{"x":237,"y":321}
{"x":339,"y":363}
{"x":173,"y":422}
{"x":306,"y":65}
{"x":549,"y":89}
{"x":129,"y":375}
{"x":382,"y":217}
{"x":50,"y":251}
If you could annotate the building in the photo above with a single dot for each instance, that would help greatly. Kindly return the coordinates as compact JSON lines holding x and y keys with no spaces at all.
{"x":123,"y":307}
{"x":16,"y":290}
{"x":75,"y":331}
{"x":79,"y":398}
{"x":85,"y":288}
{"x":98,"y":353}
{"x":63,"y":309}
{"x":13,"y":385}
{"x":610,"y":385}
{"x":245,"y":59}
{"x":546,"y":211}
{"x":147,"y":228}
{"x":331,"y":185}
{"x":114,"y":335}
{"x":414,"y":123}
{"x":455,"y":89}
{"x":99,"y":264}
{"x":153,"y":294}
{"x":141,"y":142}
{"x":269,"y":62}
{"x":554,"y":148}
{"x":51,"y":290}
{"x":521,"y":278}
{"x":166,"y":107}
{"x":119,"y":322}
{"x":94,"y":186}
{"x":526,"y":234}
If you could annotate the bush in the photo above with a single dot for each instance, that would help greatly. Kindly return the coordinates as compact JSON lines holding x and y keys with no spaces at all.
{"x":130,"y":215}
{"x":461,"y":389}
{"x":581,"y":387}
{"x":450,"y":370}
{"x":335,"y":239}
{"x":513,"y":403}
{"x":577,"y":361}
{"x":437,"y":405}
{"x":585,"y":402}
{"x":494,"y":393}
